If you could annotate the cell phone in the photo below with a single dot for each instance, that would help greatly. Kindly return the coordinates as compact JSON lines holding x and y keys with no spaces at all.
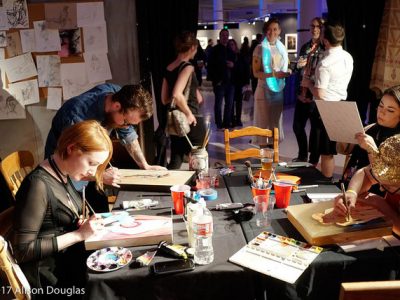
{"x":172,"y":266}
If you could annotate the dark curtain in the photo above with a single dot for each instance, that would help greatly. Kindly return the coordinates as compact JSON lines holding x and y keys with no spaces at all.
{"x":362,"y":22}
{"x":158,"y":24}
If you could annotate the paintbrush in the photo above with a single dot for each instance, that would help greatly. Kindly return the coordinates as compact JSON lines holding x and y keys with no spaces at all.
{"x":346,"y":204}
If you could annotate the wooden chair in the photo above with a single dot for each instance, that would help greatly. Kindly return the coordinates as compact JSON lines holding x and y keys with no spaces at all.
{"x":250,"y":152}
{"x":15,"y":167}
{"x":16,"y":278}
{"x":370,"y":290}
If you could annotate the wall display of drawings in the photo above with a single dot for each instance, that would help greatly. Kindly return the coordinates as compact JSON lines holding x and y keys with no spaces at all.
{"x":291,"y":42}
{"x":56,"y":57}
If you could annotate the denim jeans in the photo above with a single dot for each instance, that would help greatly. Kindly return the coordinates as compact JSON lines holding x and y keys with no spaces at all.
{"x":221,"y":91}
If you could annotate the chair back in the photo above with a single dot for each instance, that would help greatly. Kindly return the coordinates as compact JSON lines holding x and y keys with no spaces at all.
{"x":16,"y":278}
{"x":250,"y":152}
{"x":370,"y":290}
{"x":15,"y":167}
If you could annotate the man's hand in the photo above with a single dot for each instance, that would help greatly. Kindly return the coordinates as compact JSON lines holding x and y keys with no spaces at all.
{"x":155,"y":167}
{"x":112,"y":176}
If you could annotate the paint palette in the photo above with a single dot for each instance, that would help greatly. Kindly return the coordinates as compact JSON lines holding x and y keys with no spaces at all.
{"x":109,"y":259}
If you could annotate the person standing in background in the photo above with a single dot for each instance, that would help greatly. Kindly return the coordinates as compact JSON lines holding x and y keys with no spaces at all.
{"x":332,"y":76}
{"x":199,"y":61}
{"x":253,"y":46}
{"x":270,"y":66}
{"x":309,"y":56}
{"x":220,"y":66}
{"x":176,"y":78}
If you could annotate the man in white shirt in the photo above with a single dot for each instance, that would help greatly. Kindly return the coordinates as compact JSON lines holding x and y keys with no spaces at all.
{"x":332,"y":76}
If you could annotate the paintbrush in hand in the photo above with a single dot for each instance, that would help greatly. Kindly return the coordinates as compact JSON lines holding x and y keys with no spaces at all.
{"x":346,"y":204}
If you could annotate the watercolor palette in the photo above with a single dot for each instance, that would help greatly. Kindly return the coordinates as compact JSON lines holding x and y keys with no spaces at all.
{"x":109,"y":259}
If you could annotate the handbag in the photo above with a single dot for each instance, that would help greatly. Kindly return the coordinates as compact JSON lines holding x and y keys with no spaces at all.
{"x":177,"y":123}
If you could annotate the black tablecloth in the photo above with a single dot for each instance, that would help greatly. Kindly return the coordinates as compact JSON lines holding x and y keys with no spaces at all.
{"x":218,"y":280}
{"x":323,"y":277}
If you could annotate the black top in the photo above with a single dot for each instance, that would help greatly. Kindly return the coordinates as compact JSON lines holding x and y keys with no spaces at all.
{"x":42,"y":213}
{"x":217,"y":71}
{"x":171,"y":78}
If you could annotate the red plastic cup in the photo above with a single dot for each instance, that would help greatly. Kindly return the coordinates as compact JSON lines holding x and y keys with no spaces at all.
{"x":258,"y":191}
{"x":177,"y":193}
{"x":283,"y":192}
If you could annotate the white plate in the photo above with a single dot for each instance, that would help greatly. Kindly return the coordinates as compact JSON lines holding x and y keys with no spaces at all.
{"x":109,"y":259}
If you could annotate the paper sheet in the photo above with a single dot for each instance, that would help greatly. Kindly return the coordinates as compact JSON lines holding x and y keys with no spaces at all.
{"x":10,"y":108}
{"x":320,"y":197}
{"x":3,"y":19}
{"x":379,"y":243}
{"x":48,"y":67}
{"x":19,"y":67}
{"x":341,"y":120}
{"x":97,"y":66}
{"x":28,"y":40}
{"x":26,"y":92}
{"x":95,"y":38}
{"x":3,"y":39}
{"x":60,"y":15}
{"x":13,"y":44}
{"x":74,"y":80}
{"x":17,"y":13}
{"x":90,"y":14}
{"x":54,"y":98}
{"x":47,"y":40}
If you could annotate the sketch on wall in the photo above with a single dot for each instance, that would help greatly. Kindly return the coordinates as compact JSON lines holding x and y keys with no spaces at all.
{"x":90,"y":14}
{"x":54,"y":98}
{"x":48,"y":68}
{"x":95,"y":38}
{"x":13,"y":44}
{"x":26,"y":92}
{"x":17,"y":13}
{"x":19,"y":67}
{"x":60,"y":15}
{"x":97,"y":67}
{"x":74,"y":80}
{"x":3,"y":19}
{"x":10,"y":108}
{"x":28,"y":40}
{"x":3,"y":39}
{"x":71,"y":43}
{"x":47,"y":40}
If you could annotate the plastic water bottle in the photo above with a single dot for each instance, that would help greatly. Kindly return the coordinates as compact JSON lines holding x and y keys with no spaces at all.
{"x":192,"y":209}
{"x":202,"y":231}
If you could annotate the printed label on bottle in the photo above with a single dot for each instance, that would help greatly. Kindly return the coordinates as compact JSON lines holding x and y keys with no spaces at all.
{"x":203,"y":229}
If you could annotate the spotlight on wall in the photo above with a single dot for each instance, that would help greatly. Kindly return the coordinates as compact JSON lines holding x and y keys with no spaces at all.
{"x":205,"y":26}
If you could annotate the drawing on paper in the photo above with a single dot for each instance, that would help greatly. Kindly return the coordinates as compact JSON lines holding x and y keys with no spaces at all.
{"x":10,"y":108}
{"x":97,"y":67}
{"x":17,"y":13}
{"x":48,"y":67}
{"x":90,"y":14}
{"x":60,"y":15}
{"x":13,"y":44}
{"x":3,"y":39}
{"x":54,"y":98}
{"x":28,"y":40}
{"x":70,"y":42}
{"x":74,"y":80}
{"x":26,"y":92}
{"x":19,"y":67}
{"x":47,"y":40}
{"x":95,"y":39}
